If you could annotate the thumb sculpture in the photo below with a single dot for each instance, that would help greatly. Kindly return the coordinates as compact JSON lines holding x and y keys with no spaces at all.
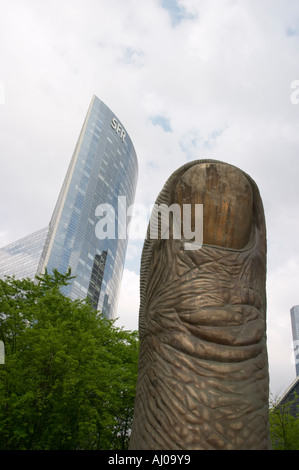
{"x":203,"y":366}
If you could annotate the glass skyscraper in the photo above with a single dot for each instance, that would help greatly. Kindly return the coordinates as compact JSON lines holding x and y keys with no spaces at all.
{"x":295,"y":333}
{"x":102,"y":171}
{"x":21,"y":258}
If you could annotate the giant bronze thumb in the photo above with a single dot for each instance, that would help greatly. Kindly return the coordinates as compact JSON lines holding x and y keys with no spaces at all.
{"x":203,"y":378}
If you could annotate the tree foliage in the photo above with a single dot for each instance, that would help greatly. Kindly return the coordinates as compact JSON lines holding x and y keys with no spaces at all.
{"x":284,"y":426}
{"x":69,"y":376}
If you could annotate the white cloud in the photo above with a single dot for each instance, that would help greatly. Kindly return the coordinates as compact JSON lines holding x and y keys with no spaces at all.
{"x":128,"y":305}
{"x":2,"y":93}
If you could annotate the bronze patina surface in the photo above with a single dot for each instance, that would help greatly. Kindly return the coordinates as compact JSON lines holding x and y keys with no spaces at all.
{"x":203,"y":367}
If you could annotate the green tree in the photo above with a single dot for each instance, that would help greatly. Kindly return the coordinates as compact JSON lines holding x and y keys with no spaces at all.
{"x":69,"y":376}
{"x":284,"y":427}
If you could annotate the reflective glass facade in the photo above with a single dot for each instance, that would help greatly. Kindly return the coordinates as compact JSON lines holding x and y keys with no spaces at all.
{"x":103,"y":168}
{"x":21,"y":258}
{"x":295,"y":333}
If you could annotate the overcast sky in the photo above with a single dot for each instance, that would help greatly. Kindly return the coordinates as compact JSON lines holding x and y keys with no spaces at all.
{"x":189,"y":79}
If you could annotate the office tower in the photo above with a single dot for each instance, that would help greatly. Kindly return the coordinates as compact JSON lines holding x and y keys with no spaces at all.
{"x":102,"y":171}
{"x":21,"y":258}
{"x":295,"y":333}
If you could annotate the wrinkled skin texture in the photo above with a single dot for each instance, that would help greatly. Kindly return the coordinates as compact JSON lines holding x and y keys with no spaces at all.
{"x":203,"y":366}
